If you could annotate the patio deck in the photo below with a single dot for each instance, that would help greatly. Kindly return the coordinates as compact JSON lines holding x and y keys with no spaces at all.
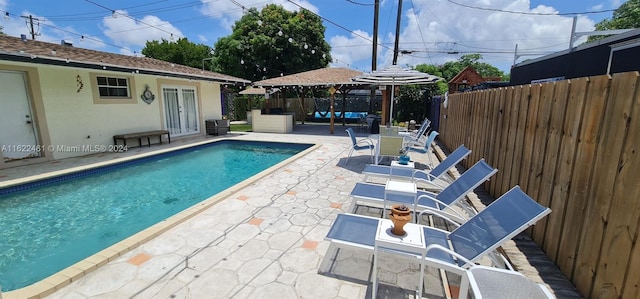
{"x":266,"y":239}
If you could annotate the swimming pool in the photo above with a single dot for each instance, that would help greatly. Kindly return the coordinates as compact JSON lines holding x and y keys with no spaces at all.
{"x":51,"y":224}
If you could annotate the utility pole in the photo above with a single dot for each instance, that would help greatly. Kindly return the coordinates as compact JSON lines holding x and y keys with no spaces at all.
{"x":30,"y":23}
{"x":395,"y":48}
{"x":374,"y":51}
{"x":374,"y":55}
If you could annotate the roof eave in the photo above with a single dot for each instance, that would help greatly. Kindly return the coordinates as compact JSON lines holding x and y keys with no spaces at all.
{"x":110,"y":67}
{"x":306,"y":84}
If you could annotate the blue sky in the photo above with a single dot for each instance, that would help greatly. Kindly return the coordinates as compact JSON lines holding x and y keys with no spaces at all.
{"x":432,"y":31}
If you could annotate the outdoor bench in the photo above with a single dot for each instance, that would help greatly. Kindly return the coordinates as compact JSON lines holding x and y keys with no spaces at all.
{"x":140,"y":136}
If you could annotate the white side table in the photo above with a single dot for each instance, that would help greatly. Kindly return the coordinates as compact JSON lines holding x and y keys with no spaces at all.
{"x":404,"y":188}
{"x":412,"y":242}
{"x":396,"y":163}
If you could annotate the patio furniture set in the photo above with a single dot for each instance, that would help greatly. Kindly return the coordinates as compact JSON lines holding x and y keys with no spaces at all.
{"x":474,"y":236}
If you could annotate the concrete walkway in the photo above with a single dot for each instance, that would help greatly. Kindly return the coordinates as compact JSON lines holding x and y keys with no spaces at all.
{"x":264,"y":241}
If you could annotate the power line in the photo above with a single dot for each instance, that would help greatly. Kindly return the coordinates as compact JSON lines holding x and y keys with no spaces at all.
{"x":132,"y":18}
{"x":532,"y":13}
{"x":86,"y":16}
{"x":338,"y":25}
{"x":84,"y":37}
{"x":419,"y":27}
{"x":360,"y":3}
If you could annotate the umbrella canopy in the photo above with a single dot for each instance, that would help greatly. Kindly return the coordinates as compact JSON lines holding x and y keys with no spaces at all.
{"x":395,"y":75}
{"x":254,"y":91}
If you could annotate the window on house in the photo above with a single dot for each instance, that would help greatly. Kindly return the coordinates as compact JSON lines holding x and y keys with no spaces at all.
{"x":113,"y":87}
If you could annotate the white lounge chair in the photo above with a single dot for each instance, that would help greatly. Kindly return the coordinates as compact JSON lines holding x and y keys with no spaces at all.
{"x":435,"y":179}
{"x":490,"y":282}
{"x":428,"y":202}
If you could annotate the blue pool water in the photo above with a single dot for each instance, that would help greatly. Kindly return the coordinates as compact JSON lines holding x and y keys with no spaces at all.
{"x":50,"y":225}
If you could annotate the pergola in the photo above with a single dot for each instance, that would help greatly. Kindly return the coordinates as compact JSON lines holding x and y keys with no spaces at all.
{"x":332,"y":79}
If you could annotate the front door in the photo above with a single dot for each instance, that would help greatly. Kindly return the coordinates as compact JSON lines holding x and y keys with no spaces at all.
{"x":18,"y":134}
{"x":180,"y":110}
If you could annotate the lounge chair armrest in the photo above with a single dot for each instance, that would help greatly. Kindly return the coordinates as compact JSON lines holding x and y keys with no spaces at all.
{"x":454,"y":217}
{"x":427,"y":195}
{"x":437,"y":247}
{"x":433,"y":181}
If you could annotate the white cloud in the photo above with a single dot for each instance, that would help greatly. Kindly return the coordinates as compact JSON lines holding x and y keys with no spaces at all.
{"x":131,"y":32}
{"x":48,"y":31}
{"x":203,"y":38}
{"x":347,"y":50}
{"x":436,"y":28}
{"x":227,"y":12}
{"x":616,"y":3}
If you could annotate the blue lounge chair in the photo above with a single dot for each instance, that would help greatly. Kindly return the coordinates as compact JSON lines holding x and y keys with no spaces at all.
{"x":415,"y":135}
{"x":424,"y":147}
{"x":474,"y":239}
{"x":435,"y":179}
{"x":426,"y":201}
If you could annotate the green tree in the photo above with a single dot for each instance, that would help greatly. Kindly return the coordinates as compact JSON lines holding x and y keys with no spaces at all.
{"x":271,"y":43}
{"x":414,"y":100}
{"x":452,"y":68}
{"x":627,"y":16}
{"x":441,"y":86}
{"x":181,"y":51}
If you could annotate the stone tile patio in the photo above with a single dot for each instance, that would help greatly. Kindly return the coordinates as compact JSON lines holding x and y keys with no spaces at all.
{"x":264,"y":241}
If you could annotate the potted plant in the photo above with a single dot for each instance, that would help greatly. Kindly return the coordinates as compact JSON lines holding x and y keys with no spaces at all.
{"x":399,"y":215}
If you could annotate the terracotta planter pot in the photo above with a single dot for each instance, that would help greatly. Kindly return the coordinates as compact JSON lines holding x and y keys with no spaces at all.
{"x":400,"y":215}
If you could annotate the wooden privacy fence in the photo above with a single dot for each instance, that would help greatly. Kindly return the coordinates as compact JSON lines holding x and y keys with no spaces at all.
{"x":572,"y":145}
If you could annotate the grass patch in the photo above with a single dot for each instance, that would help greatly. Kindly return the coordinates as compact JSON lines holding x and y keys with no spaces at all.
{"x":241,"y":128}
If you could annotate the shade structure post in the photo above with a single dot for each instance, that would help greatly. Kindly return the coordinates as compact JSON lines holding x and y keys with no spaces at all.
{"x":393,"y":89}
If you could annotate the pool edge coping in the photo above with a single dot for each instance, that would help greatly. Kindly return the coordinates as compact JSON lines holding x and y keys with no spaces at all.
{"x":66,"y":276}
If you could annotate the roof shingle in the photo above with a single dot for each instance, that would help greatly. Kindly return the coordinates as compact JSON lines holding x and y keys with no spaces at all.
{"x":319,"y":77}
{"x":13,"y":48}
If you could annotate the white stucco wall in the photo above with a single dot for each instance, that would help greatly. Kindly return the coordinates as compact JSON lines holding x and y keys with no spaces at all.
{"x":75,"y":120}
{"x":266,"y":123}
{"x":211,"y":100}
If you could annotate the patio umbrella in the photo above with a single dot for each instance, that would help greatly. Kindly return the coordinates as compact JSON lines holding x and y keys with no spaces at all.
{"x":395,"y":75}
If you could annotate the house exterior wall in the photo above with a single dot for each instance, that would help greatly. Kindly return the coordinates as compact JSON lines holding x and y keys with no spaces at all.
{"x":71,"y":120}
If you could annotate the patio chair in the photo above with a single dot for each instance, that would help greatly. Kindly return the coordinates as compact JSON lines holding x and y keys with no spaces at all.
{"x":491,"y":282}
{"x":429,"y":202}
{"x":435,"y":179}
{"x":474,"y":239}
{"x":362,"y":144}
{"x":362,"y":122}
{"x":388,"y":146}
